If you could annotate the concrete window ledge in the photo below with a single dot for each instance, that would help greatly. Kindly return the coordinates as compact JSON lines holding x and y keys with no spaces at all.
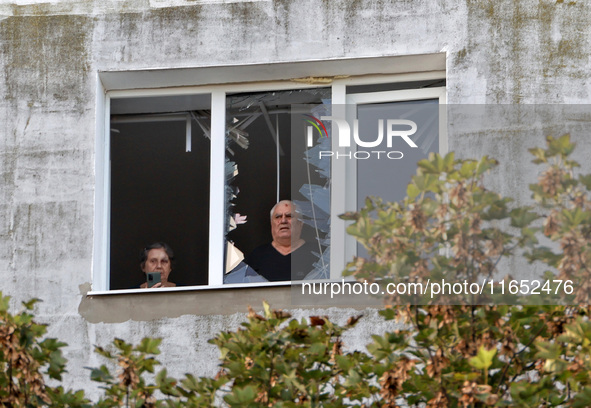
{"x":145,"y":305}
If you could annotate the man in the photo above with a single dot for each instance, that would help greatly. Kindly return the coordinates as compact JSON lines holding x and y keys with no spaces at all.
{"x":157,"y":257}
{"x":274,"y":261}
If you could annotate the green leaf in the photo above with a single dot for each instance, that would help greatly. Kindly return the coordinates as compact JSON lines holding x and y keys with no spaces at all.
{"x":349,"y":216}
{"x":101,"y":374}
{"x":539,"y":154}
{"x":30,"y":304}
{"x":267,"y":309}
{"x":548,"y":351}
{"x":575,"y":217}
{"x":364,"y":229}
{"x":149,"y":346}
{"x":352,"y":378}
{"x":497,"y":210}
{"x":412,"y":191}
{"x":448,"y":162}
{"x":125,"y":348}
{"x":586,"y":181}
{"x":467,"y":169}
{"x":483,"y":360}
{"x":4,"y":303}
{"x":428,"y":165}
{"x":241,"y":397}
{"x":583,"y":399}
{"x":388,"y":314}
{"x":102,"y":352}
{"x":317,"y":348}
{"x":427,"y":182}
{"x":344,"y":363}
{"x":559,"y":147}
{"x":522,"y":217}
{"x":485,"y":164}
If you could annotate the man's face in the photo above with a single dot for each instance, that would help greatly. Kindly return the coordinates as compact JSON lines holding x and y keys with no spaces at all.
{"x":284,"y":223}
{"x":158,"y":261}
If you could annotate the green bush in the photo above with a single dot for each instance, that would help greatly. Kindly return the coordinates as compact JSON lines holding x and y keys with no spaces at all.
{"x":26,"y":359}
{"x":516,"y":351}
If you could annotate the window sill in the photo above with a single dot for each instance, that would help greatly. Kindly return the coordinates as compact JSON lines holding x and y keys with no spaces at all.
{"x":118,"y":306}
{"x":189,"y":288}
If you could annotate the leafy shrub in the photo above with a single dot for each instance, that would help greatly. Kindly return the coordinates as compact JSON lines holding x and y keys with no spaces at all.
{"x":454,"y":354}
{"x":26,"y":359}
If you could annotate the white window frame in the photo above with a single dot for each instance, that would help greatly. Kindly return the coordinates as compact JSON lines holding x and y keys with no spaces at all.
{"x":344,"y":172}
{"x":112,"y":85}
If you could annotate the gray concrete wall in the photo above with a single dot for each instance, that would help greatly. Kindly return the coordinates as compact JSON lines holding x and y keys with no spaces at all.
{"x":498,"y":52}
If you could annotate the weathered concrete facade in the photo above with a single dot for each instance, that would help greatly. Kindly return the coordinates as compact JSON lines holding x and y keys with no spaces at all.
{"x":497,"y":52}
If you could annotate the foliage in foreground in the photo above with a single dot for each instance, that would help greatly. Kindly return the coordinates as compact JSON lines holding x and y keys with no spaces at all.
{"x":452,"y":227}
{"x":27,"y":359}
{"x":447,"y":355}
{"x":460,"y":356}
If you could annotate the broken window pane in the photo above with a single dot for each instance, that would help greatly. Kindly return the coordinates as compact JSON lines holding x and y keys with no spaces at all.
{"x":259,"y":158}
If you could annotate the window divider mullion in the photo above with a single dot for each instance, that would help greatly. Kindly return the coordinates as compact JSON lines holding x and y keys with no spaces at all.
{"x":216,"y":188}
{"x":338,"y":188}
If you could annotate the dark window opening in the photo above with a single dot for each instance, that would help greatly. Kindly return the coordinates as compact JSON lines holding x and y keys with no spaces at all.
{"x":159,"y":190}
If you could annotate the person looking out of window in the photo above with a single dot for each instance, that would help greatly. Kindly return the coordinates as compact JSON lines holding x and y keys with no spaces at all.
{"x":157,"y":257}
{"x":273,"y":261}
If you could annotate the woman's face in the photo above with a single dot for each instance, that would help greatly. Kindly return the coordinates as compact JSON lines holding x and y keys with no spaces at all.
{"x":158,"y":261}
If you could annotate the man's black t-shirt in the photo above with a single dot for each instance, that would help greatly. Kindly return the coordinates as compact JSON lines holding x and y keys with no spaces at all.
{"x":274,"y":266}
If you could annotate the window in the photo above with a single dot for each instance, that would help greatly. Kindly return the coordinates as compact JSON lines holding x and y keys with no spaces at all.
{"x":159,"y":182}
{"x":176,"y":164}
{"x":384,"y":171}
{"x":261,"y":152}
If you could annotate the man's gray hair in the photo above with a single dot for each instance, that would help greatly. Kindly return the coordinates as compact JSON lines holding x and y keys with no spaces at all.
{"x":293,"y":207}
